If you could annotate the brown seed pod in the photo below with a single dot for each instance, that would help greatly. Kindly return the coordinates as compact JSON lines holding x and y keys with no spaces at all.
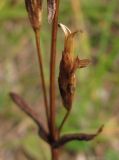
{"x":67,"y":81}
{"x":34,"y":9}
{"x":51,"y":7}
{"x":68,"y":66}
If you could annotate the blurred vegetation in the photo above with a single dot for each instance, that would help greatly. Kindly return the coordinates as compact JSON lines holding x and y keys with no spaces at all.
{"x":97,"y":95}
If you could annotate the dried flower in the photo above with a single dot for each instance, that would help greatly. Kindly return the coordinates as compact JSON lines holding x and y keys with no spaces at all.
{"x":68,"y":66}
{"x":34,"y":9}
{"x":51,"y":5}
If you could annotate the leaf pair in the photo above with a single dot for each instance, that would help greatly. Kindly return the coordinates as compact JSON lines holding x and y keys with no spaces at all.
{"x":68,"y":66}
{"x":46,"y":135}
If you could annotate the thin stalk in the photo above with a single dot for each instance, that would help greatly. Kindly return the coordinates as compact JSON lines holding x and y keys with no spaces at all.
{"x":37,"y":37}
{"x":52,"y":71}
{"x":52,"y":81}
{"x":55,"y":154}
{"x":64,"y":120}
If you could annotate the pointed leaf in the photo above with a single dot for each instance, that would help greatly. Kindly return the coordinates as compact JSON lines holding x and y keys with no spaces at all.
{"x":80,"y":137}
{"x":28,"y":110}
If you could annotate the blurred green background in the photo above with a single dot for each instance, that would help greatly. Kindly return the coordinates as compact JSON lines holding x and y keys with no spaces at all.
{"x":97,"y":94}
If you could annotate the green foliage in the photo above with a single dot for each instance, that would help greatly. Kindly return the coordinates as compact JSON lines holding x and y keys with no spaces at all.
{"x":110,"y":155}
{"x":35,"y":147}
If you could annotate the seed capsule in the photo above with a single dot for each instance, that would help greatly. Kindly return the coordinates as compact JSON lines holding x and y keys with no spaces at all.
{"x":51,"y":6}
{"x":34,"y":9}
{"x":68,"y":66}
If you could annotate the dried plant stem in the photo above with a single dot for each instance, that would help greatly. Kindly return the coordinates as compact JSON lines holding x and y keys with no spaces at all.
{"x":55,"y":154}
{"x":64,"y":120}
{"x":37,"y":37}
{"x":52,"y":71}
{"x":66,"y":85}
{"x":52,"y":81}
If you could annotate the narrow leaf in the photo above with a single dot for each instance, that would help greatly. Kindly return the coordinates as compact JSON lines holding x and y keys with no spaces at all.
{"x":80,"y":137}
{"x":24,"y":106}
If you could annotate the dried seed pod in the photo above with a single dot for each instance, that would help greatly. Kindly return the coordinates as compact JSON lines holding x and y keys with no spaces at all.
{"x":68,"y":66}
{"x":34,"y":9}
{"x":67,"y":79}
{"x":51,"y":5}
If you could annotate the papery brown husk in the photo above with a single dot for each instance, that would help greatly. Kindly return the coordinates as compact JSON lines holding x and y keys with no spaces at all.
{"x":68,"y":67}
{"x":67,"y":80}
{"x":34,"y":9}
{"x":51,"y":7}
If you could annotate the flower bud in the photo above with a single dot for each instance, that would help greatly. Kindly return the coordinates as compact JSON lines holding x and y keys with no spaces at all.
{"x":34,"y":9}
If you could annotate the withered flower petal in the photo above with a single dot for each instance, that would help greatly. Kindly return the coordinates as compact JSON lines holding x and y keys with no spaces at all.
{"x":80,"y":63}
{"x":65,"y":29}
{"x":34,"y":9}
{"x":69,"y":39}
{"x":69,"y":43}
